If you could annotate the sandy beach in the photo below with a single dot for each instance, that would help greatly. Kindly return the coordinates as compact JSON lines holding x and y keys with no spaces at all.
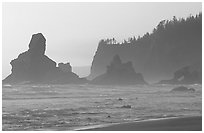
{"x":169,"y":124}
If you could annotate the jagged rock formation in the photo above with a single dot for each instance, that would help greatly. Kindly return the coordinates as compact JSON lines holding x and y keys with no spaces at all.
{"x":186,"y":75}
{"x":65,"y":67}
{"x":157,"y":55}
{"x":33,"y":66}
{"x":119,"y":73}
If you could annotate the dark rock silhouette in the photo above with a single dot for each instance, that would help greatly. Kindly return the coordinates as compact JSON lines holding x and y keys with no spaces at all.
{"x":126,"y":106}
{"x":119,"y":73}
{"x":191,"y":90}
{"x":33,"y":66}
{"x":185,"y":75}
{"x":37,"y":44}
{"x":120,"y":99}
{"x":182,"y":89}
{"x":172,"y":45}
{"x":108,"y":116}
{"x":65,"y":67}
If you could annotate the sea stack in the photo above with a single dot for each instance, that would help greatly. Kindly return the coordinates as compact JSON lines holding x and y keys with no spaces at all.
{"x":186,"y":75}
{"x":33,"y":66}
{"x":119,"y":73}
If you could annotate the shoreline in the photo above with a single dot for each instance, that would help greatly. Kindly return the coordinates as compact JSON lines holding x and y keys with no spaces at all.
{"x":189,"y":123}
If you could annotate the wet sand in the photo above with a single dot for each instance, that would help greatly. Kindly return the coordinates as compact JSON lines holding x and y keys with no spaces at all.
{"x":169,"y":124}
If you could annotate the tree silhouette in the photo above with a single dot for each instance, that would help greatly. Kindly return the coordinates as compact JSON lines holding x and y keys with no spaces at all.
{"x":166,"y":30}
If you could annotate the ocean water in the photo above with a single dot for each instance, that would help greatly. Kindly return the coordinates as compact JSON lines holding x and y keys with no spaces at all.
{"x":71,"y":107}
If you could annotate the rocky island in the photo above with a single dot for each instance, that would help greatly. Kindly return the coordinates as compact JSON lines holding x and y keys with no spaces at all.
{"x":119,"y":73}
{"x":33,"y":66}
{"x":186,"y":75}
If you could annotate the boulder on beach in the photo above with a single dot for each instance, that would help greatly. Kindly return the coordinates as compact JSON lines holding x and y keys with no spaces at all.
{"x":126,"y":106}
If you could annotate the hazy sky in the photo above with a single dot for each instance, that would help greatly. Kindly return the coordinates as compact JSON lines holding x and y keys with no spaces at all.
{"x":73,"y":30}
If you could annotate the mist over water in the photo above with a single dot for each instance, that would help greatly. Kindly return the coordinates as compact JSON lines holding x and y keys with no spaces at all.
{"x":69,"y":107}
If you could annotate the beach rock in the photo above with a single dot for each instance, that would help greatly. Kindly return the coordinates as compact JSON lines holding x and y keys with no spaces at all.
{"x":182,"y":89}
{"x":33,"y":66}
{"x":192,"y":90}
{"x":120,"y":99}
{"x":126,"y":106}
{"x":119,"y":73}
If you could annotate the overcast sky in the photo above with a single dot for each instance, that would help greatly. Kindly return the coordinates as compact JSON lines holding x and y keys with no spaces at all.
{"x":73,"y":30}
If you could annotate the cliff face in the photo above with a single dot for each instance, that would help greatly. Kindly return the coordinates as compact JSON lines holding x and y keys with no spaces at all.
{"x":172,"y":45}
{"x":118,"y":73}
{"x":33,"y":66}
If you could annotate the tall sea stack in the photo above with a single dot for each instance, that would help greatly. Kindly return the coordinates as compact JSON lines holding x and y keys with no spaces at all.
{"x":33,"y":66}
